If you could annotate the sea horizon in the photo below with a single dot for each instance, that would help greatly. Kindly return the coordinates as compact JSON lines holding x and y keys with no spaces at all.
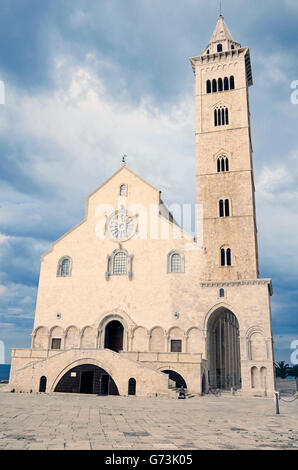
{"x":4,"y":371}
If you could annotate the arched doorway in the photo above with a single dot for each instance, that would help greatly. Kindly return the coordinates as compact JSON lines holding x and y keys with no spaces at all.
{"x":180,"y":382}
{"x":42,"y":384}
{"x":223,"y":350}
{"x":114,"y":336}
{"x":87,"y":378}
{"x":132,"y":386}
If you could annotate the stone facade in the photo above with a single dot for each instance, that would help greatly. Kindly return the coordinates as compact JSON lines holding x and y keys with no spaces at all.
{"x":129,"y":292}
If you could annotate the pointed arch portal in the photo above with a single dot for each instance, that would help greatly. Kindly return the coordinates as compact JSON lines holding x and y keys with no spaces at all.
{"x":87,"y":378}
{"x":223,"y":350}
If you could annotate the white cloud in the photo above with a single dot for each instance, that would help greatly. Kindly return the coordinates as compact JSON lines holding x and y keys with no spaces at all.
{"x":3,"y":289}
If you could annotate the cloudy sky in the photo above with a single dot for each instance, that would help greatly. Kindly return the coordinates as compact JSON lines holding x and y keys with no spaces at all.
{"x":89,"y":80}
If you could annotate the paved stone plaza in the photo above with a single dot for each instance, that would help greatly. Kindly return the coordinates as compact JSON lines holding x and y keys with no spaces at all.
{"x":60,"y":421}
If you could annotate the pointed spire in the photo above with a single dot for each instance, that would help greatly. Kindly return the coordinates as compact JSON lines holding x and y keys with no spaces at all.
{"x":222,"y":39}
{"x":221,"y":31}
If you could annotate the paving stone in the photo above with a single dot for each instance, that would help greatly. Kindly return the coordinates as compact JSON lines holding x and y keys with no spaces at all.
{"x":55,"y":422}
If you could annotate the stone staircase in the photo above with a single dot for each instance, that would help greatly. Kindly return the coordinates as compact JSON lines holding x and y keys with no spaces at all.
{"x":175,"y":392}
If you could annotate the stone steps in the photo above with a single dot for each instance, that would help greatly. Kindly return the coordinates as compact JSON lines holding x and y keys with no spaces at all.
{"x":176,"y":390}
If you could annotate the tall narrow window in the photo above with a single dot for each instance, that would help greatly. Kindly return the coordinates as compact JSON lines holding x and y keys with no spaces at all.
{"x":120,"y":263}
{"x":208,"y":86}
{"x":223,"y":164}
{"x":226,"y":83}
{"x":232,"y":83}
{"x":221,"y":116}
{"x":225,"y":257}
{"x":215,"y":117}
{"x":214,"y":86}
{"x":221,"y":208}
{"x":229,"y":260}
{"x":222,"y":257}
{"x":123,"y":190}
{"x":220,"y":84}
{"x":176,"y":263}
{"x":227,"y":208}
{"x":224,"y":208}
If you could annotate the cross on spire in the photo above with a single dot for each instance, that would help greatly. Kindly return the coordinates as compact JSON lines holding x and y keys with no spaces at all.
{"x":124,"y":157}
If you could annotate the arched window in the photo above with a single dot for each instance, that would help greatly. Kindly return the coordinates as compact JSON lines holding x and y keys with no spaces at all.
{"x":224,"y":208}
{"x":222,"y":164}
{"x":229,"y":260}
{"x":232,"y":83}
{"x":227,"y":208}
{"x":132,"y":386}
{"x":221,"y":208}
{"x":227,"y":116}
{"x":123,"y":190}
{"x":214,"y":86}
{"x":221,"y":293}
{"x":120,"y":263}
{"x":225,"y":257}
{"x":222,"y":257}
{"x":208,"y":52}
{"x":221,"y":116}
{"x":219,"y":47}
{"x":220,"y":84}
{"x":64,"y":267}
{"x":208,"y":86}
{"x":175,"y":262}
{"x":232,"y":47}
{"x":226,"y":83}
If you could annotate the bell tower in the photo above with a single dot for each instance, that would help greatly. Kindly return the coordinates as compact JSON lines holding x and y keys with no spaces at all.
{"x":224,"y":168}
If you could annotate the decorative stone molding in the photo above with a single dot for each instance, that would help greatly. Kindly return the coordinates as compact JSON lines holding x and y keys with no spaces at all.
{"x":243,"y":282}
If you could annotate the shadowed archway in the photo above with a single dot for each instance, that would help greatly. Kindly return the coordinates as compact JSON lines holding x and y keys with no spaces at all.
{"x":114,"y":336}
{"x":180,"y":382}
{"x":87,"y":378}
{"x":223,"y":349}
